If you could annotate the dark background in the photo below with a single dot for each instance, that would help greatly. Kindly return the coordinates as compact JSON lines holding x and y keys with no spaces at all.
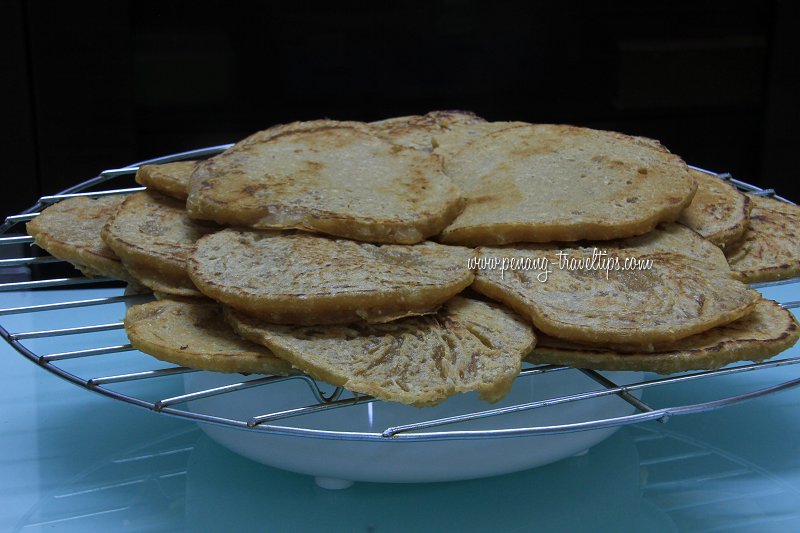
{"x":93,"y":85}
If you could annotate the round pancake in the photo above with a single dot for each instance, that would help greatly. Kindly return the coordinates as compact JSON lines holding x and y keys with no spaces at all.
{"x":337,"y":178}
{"x":171,"y":179}
{"x":764,"y":333}
{"x":468,"y":345}
{"x":153,"y":236}
{"x":196,"y":335}
{"x":417,"y":131}
{"x":544,"y":183}
{"x":309,"y":279}
{"x":70,"y":230}
{"x":675,"y":298}
{"x":718,"y":212}
{"x":770,"y":248}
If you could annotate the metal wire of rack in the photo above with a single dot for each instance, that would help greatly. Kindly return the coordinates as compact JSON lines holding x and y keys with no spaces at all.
{"x":426,"y":430}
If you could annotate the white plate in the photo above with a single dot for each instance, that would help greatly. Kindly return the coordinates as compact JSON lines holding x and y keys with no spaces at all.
{"x":337,"y":462}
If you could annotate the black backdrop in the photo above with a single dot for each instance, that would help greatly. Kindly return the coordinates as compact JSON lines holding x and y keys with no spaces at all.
{"x":92,"y":85}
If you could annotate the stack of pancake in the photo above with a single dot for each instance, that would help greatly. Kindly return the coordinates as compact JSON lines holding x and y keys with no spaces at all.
{"x":361,"y":254}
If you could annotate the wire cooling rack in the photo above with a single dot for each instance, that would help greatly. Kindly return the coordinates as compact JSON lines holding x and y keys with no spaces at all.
{"x":97,"y":378}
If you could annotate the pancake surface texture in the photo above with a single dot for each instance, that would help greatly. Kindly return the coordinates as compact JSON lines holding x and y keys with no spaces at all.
{"x":196,"y":335}
{"x":448,"y":144}
{"x":337,"y":178}
{"x":718,"y":212}
{"x":468,"y":345}
{"x":544,"y":183}
{"x":171,"y":179}
{"x":765,"y":332}
{"x":417,"y":131}
{"x":770,"y":249}
{"x":309,"y":279}
{"x":70,"y":230}
{"x":673,"y":299}
{"x":153,"y":236}
{"x":674,"y":238}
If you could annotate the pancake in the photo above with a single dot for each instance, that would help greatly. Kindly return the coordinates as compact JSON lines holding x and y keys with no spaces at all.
{"x":70,"y":230}
{"x":545,"y":183}
{"x":468,"y":345}
{"x":186,"y":299}
{"x":417,"y":131}
{"x":309,"y":279}
{"x":153,"y":236}
{"x":675,"y":238}
{"x":770,"y":248}
{"x":764,"y":333}
{"x":196,"y":335}
{"x":337,"y":178}
{"x":673,"y":299}
{"x":461,"y":135}
{"x":449,"y":143}
{"x":171,"y":179}
{"x":718,"y":212}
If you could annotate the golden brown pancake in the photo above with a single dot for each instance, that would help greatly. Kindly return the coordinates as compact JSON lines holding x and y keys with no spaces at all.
{"x":675,"y":238}
{"x":545,"y":183}
{"x":70,"y":230}
{"x":673,"y":299}
{"x":307,"y":279}
{"x":196,"y":335}
{"x":171,"y":179}
{"x":767,"y":331}
{"x":337,"y":178}
{"x":468,"y":345}
{"x":448,"y":144}
{"x":718,"y":212}
{"x":153,"y":236}
{"x":770,"y":248}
